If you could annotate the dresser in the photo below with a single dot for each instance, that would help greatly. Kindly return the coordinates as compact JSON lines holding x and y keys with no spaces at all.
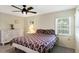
{"x":7,"y":35}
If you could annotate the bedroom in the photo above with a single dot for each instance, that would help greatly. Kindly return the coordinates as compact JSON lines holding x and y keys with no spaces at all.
{"x":45,"y":19}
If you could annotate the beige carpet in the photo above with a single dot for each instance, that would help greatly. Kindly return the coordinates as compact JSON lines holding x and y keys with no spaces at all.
{"x":7,"y":49}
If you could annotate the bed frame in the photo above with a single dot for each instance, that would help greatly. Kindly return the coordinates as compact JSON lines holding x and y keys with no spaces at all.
{"x":23,"y":48}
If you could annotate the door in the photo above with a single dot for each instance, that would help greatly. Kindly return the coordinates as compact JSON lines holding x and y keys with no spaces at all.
{"x":77,"y":29}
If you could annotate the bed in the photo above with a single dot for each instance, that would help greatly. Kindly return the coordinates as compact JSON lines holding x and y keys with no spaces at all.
{"x":41,"y":41}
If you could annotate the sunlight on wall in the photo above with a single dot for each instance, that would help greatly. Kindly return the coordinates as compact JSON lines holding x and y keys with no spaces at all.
{"x":31,"y":29}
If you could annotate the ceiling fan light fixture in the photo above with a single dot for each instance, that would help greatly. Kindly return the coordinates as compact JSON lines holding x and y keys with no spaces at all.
{"x":24,"y":5}
{"x":24,"y":9}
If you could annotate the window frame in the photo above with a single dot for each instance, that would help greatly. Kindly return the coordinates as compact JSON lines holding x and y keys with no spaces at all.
{"x":56,"y":27}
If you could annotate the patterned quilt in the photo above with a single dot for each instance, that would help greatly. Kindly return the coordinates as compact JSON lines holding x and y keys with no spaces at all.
{"x":38,"y":42}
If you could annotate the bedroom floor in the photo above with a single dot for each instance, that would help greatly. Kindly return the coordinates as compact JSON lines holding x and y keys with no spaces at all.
{"x":57,"y":49}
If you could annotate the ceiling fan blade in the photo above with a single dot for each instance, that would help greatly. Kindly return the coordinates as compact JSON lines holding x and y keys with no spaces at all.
{"x":29,"y":8}
{"x":16,"y":7}
{"x":32,"y":12}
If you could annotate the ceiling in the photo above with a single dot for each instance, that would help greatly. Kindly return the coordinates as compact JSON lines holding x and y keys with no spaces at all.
{"x":40,"y":9}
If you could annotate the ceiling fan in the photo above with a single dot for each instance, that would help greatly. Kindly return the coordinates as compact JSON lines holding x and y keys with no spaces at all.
{"x":24,"y":9}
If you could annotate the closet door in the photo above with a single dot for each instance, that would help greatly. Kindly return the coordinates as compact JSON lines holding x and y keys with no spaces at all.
{"x":77,"y":29}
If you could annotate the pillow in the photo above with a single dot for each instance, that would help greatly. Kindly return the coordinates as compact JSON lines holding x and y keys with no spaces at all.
{"x":48,"y":31}
{"x":39,"y":31}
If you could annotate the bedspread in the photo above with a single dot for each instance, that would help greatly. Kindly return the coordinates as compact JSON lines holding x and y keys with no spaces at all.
{"x":37,"y":42}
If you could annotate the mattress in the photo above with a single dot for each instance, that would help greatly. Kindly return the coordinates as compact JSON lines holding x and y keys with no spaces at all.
{"x":36,"y":42}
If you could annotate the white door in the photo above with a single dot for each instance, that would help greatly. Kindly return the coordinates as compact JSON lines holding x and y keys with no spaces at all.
{"x":77,"y":29}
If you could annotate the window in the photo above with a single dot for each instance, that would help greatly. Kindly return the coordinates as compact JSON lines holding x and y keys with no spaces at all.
{"x":63,"y":26}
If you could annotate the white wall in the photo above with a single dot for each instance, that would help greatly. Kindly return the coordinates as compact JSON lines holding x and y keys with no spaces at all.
{"x":6,"y":20}
{"x":27,"y":22}
{"x":47,"y":21}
